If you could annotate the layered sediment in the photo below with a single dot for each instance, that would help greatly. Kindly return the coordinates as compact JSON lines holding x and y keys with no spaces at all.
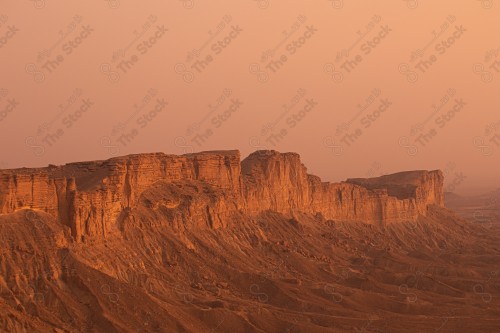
{"x":91,"y":198}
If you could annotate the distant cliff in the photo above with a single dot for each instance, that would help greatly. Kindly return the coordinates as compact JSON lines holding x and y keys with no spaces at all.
{"x":207,"y":188}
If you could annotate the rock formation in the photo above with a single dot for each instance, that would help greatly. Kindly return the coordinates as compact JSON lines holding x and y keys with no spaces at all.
{"x":206,"y":242}
{"x":92,"y":198}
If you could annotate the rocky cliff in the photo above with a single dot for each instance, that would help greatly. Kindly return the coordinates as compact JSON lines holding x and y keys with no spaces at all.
{"x":280,"y":182}
{"x":206,"y":189}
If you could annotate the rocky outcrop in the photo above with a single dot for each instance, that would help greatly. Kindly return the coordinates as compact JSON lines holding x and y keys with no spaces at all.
{"x":280,"y":182}
{"x":92,"y":198}
{"x":425,"y":187}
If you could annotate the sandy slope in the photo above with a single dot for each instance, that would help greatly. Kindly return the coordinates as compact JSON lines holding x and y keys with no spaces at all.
{"x":270,"y":274}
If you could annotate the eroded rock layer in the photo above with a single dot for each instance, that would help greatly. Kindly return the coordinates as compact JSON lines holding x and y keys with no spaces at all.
{"x":93,"y":198}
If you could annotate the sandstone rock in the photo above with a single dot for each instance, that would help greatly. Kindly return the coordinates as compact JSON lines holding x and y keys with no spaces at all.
{"x":94,"y":199}
{"x":223,"y":285}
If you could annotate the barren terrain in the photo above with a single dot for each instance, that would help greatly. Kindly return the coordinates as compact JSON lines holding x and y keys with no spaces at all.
{"x":172,"y":262}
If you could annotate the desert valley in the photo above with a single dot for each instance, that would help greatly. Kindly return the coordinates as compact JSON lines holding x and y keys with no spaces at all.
{"x":207,"y":242}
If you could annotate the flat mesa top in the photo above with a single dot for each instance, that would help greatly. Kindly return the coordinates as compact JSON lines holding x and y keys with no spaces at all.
{"x":399,"y":178}
{"x":52,"y":169}
{"x":91,"y":172}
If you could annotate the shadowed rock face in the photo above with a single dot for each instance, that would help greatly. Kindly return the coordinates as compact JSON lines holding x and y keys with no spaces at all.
{"x":92,"y":198}
{"x":425,"y":186}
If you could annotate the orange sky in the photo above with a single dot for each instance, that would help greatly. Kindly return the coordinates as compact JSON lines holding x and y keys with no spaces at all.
{"x":340,"y":82}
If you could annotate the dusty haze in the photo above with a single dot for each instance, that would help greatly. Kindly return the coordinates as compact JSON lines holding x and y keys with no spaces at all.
{"x":87,"y":45}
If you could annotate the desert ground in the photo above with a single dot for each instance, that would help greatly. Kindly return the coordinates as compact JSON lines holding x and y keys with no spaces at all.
{"x":263,"y":273}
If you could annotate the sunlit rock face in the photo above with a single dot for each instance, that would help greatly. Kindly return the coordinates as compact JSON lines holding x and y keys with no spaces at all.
{"x":208,"y":189}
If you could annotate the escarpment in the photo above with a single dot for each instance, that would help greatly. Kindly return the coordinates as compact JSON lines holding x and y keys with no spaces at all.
{"x":206,"y":189}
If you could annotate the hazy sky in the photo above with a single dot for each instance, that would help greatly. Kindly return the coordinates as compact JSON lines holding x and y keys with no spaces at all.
{"x":358,"y":88}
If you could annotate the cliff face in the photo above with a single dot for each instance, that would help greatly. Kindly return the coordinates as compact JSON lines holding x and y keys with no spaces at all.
{"x":205,"y":189}
{"x":280,"y":182}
